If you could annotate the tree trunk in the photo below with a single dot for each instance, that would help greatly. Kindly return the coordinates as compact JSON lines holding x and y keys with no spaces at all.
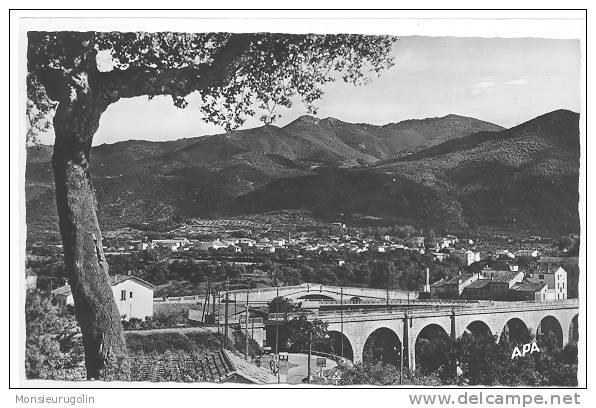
{"x":103,"y":339}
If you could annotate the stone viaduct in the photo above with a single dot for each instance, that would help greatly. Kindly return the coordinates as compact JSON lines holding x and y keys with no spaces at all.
{"x":305,"y":291}
{"x":399,"y":327}
{"x":316,"y":291}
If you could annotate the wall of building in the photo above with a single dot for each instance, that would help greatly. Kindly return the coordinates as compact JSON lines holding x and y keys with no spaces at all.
{"x":556,"y":281}
{"x":139,"y":306}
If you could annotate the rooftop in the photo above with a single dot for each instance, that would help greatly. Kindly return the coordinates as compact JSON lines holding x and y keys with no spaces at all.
{"x":528,"y":287}
{"x":506,"y":276}
{"x":454,"y":280}
{"x":114,"y":280}
{"x":480,"y":283}
{"x":547,"y":269}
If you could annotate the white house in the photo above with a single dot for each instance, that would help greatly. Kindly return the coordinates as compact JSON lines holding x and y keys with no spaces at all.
{"x":134,"y":296}
{"x":440,"y":256}
{"x":171,"y":244}
{"x":527,"y":253}
{"x":217,"y":244}
{"x":265,"y":248}
{"x":245,"y":241}
{"x":447,"y":241}
{"x":278,"y":243}
{"x":143,"y":246}
{"x":556,"y":279}
{"x":503,"y":253}
{"x":452,"y":239}
{"x":490,"y":273}
{"x":466,"y":258}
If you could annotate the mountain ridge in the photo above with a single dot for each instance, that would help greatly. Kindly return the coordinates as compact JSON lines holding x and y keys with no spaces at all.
{"x":522,"y":176}
{"x":443,"y":173}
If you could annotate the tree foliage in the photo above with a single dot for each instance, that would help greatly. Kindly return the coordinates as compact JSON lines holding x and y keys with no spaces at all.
{"x":378,"y":373}
{"x":299,"y":332}
{"x":237,"y":75}
{"x":280,"y":305}
{"x":52,"y":350}
{"x":482,"y":360}
{"x":474,"y":359}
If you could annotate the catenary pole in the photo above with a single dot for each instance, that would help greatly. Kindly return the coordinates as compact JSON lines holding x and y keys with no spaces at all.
{"x":401,"y":354}
{"x":342,"y":320}
{"x":218,"y":311}
{"x":309,"y":352}
{"x":277,"y":331}
{"x":226,"y":313}
{"x":246,"y":327}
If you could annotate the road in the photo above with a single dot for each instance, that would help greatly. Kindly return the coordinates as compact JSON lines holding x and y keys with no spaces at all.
{"x":298,"y":368}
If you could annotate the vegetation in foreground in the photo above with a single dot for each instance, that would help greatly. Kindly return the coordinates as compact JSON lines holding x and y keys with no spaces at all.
{"x":475,"y":360}
{"x":54,"y":351}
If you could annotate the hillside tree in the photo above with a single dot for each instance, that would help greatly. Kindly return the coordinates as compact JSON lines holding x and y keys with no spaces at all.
{"x":74,"y":76}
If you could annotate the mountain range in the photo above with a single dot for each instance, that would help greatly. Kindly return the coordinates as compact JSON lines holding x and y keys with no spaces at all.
{"x":449,"y":171}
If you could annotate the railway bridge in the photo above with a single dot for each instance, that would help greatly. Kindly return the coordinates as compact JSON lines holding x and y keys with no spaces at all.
{"x":297,"y":293}
{"x":398,"y":330}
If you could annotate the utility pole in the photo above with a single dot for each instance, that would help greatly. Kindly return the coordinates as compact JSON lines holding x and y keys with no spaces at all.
{"x":213,"y":303}
{"x":405,"y":337}
{"x":341,"y":314}
{"x":401,"y":354}
{"x":206,"y":302}
{"x":309,"y":351}
{"x":246,"y":328}
{"x":452,"y":336}
{"x":226,"y":313}
{"x":218,"y":311}
{"x":277,"y":331}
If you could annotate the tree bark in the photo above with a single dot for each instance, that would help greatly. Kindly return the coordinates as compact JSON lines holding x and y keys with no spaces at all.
{"x":75,"y":123}
{"x":83,"y":93}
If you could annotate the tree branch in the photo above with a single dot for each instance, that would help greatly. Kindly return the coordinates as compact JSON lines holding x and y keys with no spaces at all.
{"x":176,"y":81}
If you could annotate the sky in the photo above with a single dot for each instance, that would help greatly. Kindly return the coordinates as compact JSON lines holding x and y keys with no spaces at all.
{"x":505,"y":81}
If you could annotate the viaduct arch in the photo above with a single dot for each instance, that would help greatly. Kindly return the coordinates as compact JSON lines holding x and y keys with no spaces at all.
{"x":550,"y":330}
{"x":383,"y":344}
{"x":560,"y":318}
{"x":345,"y":350}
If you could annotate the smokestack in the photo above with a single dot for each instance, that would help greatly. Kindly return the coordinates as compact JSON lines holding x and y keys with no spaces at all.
{"x":427,"y":286}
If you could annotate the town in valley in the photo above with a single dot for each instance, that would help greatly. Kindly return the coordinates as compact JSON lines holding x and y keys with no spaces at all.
{"x":255,"y":274}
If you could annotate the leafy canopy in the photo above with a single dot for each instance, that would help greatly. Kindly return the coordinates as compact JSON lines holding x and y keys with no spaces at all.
{"x":237,"y":75}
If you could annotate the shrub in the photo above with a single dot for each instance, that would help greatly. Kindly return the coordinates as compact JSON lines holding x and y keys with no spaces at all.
{"x":53,"y":348}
